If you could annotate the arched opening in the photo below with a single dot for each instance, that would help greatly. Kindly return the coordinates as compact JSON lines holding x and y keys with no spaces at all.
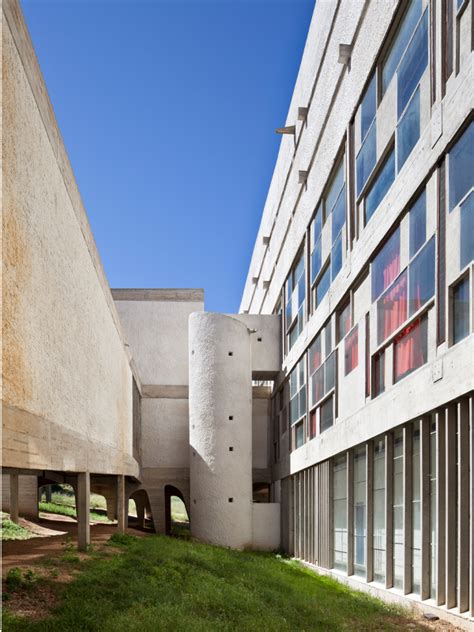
{"x":176,"y":514}
{"x":139,"y":511}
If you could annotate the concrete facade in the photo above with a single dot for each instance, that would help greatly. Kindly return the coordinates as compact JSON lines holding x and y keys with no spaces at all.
{"x":332,"y":417}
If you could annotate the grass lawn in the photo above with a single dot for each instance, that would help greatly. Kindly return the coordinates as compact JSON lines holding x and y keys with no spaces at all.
{"x":11,"y":531}
{"x":158,"y":583}
{"x":69,"y":510}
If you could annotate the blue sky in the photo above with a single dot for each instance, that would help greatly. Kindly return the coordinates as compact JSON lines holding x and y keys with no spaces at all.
{"x":168,"y":111}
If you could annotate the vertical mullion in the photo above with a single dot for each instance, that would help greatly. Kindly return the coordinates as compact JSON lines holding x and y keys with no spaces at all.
{"x":389,"y":510}
{"x":465,"y":553}
{"x":451,"y":484}
{"x":425,"y":428}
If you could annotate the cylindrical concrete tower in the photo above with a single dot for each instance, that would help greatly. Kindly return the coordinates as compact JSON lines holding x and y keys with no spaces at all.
{"x":220,"y":429}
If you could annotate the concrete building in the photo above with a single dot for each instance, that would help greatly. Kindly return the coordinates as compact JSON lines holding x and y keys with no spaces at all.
{"x":332,"y":417}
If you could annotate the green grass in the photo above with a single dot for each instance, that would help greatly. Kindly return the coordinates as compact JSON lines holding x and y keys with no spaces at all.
{"x":69,"y":510}
{"x":11,"y":531}
{"x":165,"y":584}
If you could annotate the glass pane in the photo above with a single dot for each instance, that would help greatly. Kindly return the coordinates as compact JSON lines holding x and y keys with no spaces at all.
{"x":339,"y":214}
{"x":316,"y":261}
{"x":461,"y":310}
{"x":418,"y":224}
{"x":351,"y":351}
{"x":379,"y":510}
{"x":366,"y":158}
{"x":386,"y":265}
{"x":317,"y":385}
{"x":400,"y":42}
{"x":336,"y":257}
{"x":326,"y":415}
{"x":330,"y":372}
{"x":398,"y":547}
{"x":410,"y":349}
{"x":408,"y":130}
{"x":422,"y":277}
{"x":323,"y":285}
{"x":379,"y":373}
{"x":317,"y":225}
{"x":315,"y":356}
{"x":335,"y":187}
{"x":413,"y":64}
{"x":299,"y":435}
{"x":380,"y":186}
{"x":461,"y":172}
{"x":368,"y":107}
{"x":344,"y":321}
{"x":392,"y":309}
{"x":467,"y":230}
{"x":359,"y":510}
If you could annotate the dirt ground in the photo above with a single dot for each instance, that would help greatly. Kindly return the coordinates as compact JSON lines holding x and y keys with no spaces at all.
{"x":51,"y":534}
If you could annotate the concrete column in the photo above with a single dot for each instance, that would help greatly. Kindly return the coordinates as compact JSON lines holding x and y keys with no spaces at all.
{"x":463,"y":503}
{"x":471,"y":500}
{"x":407,"y":507}
{"x":83,"y":510}
{"x":389,"y":510}
{"x":316,"y":516}
{"x":441,"y":507}
{"x":140,"y":505}
{"x":122,"y":510}
{"x":425,"y":427}
{"x":220,"y":432}
{"x":14,"y":497}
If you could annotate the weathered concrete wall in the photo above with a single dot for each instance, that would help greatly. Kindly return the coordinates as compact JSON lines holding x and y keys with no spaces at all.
{"x":67,"y":390}
{"x":27,"y":495}
{"x":266,"y":526}
{"x":220,"y":405}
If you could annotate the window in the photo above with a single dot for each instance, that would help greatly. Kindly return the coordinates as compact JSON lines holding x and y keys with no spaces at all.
{"x":344,"y":321}
{"x":351,"y":350}
{"x":413,"y":64}
{"x":297,"y":392}
{"x":400,"y":42}
{"x":416,"y":511}
{"x":379,"y":373}
{"x":368,"y":107}
{"x":322,"y":374}
{"x":366,"y":159}
{"x":360,"y":506}
{"x":379,"y":510}
{"x":323,"y":285}
{"x":386,"y":265}
{"x":335,"y":188}
{"x":315,"y":230}
{"x":327,"y":414}
{"x":299,"y":434}
{"x":392,"y":308}
{"x":312,"y":425}
{"x":410,"y":350}
{"x":295,"y":299}
{"x":418,"y":224}
{"x":339,"y":505}
{"x":461,"y":310}
{"x":467,"y":230}
{"x":336,"y":257}
{"x":381,"y":184}
{"x":433,"y":508}
{"x":422,"y":277}
{"x":408,"y":130}
{"x":461,"y":172}
{"x":398,"y":540}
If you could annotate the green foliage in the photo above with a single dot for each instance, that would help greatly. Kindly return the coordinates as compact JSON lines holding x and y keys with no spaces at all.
{"x":122,"y":539}
{"x":69,"y":510}
{"x":16,"y":579}
{"x":166,"y":584}
{"x":11,"y":531}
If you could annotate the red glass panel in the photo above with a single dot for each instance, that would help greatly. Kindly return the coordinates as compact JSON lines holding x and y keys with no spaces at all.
{"x":410,"y":350}
{"x":351,"y":353}
{"x":392,"y":309}
{"x":312,"y":424}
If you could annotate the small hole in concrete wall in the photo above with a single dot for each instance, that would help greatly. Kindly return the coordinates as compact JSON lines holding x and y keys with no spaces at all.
{"x":192,"y":352}
{"x":231,"y":417}
{"x":259,"y":340}
{"x":194,"y":453}
{"x":231,"y":353}
{"x":193,"y":426}
{"x":194,"y":501}
{"x":231,"y":449}
{"x":231,"y":500}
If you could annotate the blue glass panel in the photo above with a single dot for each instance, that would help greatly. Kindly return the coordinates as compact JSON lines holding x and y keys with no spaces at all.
{"x":368,"y":107}
{"x":317,"y":224}
{"x":461,"y":310}
{"x":413,"y":64}
{"x":323,"y":285}
{"x":461,"y":170}
{"x":301,"y":290}
{"x":422,"y":277}
{"x":336,"y":185}
{"x":467,"y":230}
{"x":366,"y":158}
{"x":400,"y":42}
{"x":339,"y":214}
{"x":381,"y":185}
{"x":418,"y":224}
{"x":336,"y":258}
{"x":408,"y":130}
{"x":386,"y":265}
{"x":316,"y":261}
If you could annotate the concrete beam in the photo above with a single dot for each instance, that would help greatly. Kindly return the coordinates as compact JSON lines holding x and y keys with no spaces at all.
{"x":83,"y":510}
